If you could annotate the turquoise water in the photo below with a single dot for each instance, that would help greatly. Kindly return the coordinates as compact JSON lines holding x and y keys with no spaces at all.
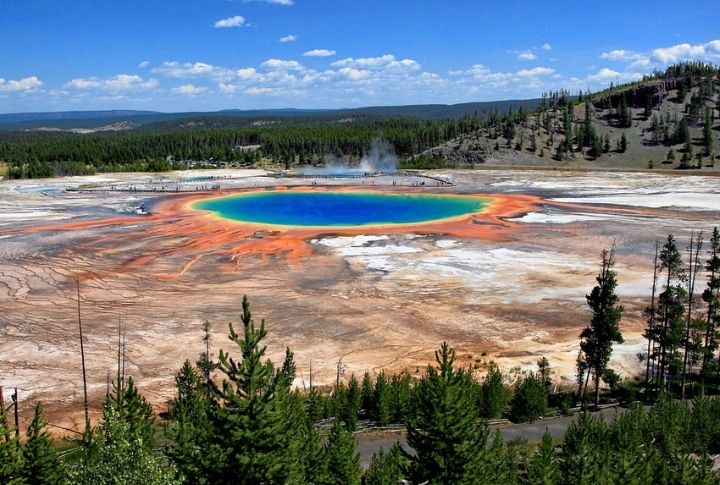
{"x":339,"y":208}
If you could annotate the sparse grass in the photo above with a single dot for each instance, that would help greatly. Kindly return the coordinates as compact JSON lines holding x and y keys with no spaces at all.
{"x":3,"y":169}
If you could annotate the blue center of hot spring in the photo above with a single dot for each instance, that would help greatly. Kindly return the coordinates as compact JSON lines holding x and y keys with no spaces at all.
{"x":315,"y":209}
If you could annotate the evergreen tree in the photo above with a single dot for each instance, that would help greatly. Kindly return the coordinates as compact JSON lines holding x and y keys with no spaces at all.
{"x":622,"y":146}
{"x":41,"y":462}
{"x":367,"y":393}
{"x":711,"y":297}
{"x":672,"y":310}
{"x":255,"y":437}
{"x":529,"y":401}
{"x":707,"y":133}
{"x":386,"y":468}
{"x":443,"y":427}
{"x":12,"y":461}
{"x":287,"y":372}
{"x":134,"y":410}
{"x":544,"y":466}
{"x":117,"y":456}
{"x":400,"y":397}
{"x":354,"y":401}
{"x":190,"y":429}
{"x":494,"y":395}
{"x":343,"y":459}
{"x":383,"y":402}
{"x":604,"y":330}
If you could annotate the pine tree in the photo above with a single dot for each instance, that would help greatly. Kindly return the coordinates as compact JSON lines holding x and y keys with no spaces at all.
{"x":443,"y":427}
{"x":622,"y":146}
{"x":11,"y":455}
{"x":383,"y":403}
{"x":672,"y":311}
{"x":343,"y":459}
{"x":287,"y":372}
{"x":190,"y":429}
{"x":254,"y":439}
{"x":354,"y":401}
{"x":529,"y":401}
{"x":707,"y":133}
{"x":584,"y":451}
{"x":367,"y":392}
{"x":494,"y":395}
{"x":711,"y":297}
{"x":386,"y":468}
{"x":133,"y":409}
{"x":400,"y":397}
{"x":544,"y":466}
{"x":41,"y":462}
{"x":604,"y":330}
{"x":117,"y":456}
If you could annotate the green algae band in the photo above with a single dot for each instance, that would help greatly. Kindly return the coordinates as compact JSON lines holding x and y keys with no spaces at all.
{"x":317,"y":209}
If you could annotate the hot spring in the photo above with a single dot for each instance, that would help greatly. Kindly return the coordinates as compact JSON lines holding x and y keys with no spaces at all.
{"x":339,"y":209}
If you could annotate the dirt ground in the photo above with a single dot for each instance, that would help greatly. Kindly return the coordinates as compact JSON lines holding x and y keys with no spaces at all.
{"x":504,"y":288}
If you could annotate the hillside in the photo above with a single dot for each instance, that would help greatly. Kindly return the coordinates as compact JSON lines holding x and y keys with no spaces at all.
{"x":668,"y":120}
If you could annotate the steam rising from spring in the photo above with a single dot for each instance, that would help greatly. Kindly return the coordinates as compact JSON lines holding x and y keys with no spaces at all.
{"x":379,"y":159}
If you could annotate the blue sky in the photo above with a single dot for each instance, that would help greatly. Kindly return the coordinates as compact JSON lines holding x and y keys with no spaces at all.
{"x":178,"y":55}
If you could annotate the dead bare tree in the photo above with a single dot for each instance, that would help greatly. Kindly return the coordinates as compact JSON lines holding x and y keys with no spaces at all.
{"x":693,"y":268}
{"x":82,"y":357}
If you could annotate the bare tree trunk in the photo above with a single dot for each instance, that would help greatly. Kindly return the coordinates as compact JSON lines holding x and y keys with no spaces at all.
{"x":693,"y":267}
{"x":651,"y":318}
{"x":17,"y":420}
{"x":82,"y":357}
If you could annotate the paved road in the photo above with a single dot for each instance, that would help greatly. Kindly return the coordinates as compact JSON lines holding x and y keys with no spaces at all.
{"x":371,"y":442}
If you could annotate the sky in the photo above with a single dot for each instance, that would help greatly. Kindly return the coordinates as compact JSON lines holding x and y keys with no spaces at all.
{"x":207,"y":55}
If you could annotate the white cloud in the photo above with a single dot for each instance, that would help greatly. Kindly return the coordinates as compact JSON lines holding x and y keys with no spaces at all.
{"x":259,"y":91}
{"x":25,"y":84}
{"x":535,"y":72}
{"x":246,"y":73}
{"x":662,"y":56}
{"x":386,"y":62}
{"x":193,"y":69}
{"x":319,"y":53}
{"x":276,"y":2}
{"x":189,"y":89}
{"x":354,"y":74}
{"x":227,"y":88}
{"x":282,"y":64}
{"x":144,"y":64}
{"x":621,"y":55}
{"x":546,"y":47}
{"x":526,"y":56}
{"x":606,"y":75}
{"x":288,"y":38}
{"x":682,"y":52}
{"x":236,"y":21}
{"x":120,"y":82}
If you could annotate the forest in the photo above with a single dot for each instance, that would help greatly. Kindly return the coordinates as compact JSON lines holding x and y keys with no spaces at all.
{"x":563,"y":126}
{"x":238,"y":418}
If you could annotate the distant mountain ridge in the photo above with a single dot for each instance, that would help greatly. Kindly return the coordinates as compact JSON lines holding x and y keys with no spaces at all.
{"x":69,"y":120}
